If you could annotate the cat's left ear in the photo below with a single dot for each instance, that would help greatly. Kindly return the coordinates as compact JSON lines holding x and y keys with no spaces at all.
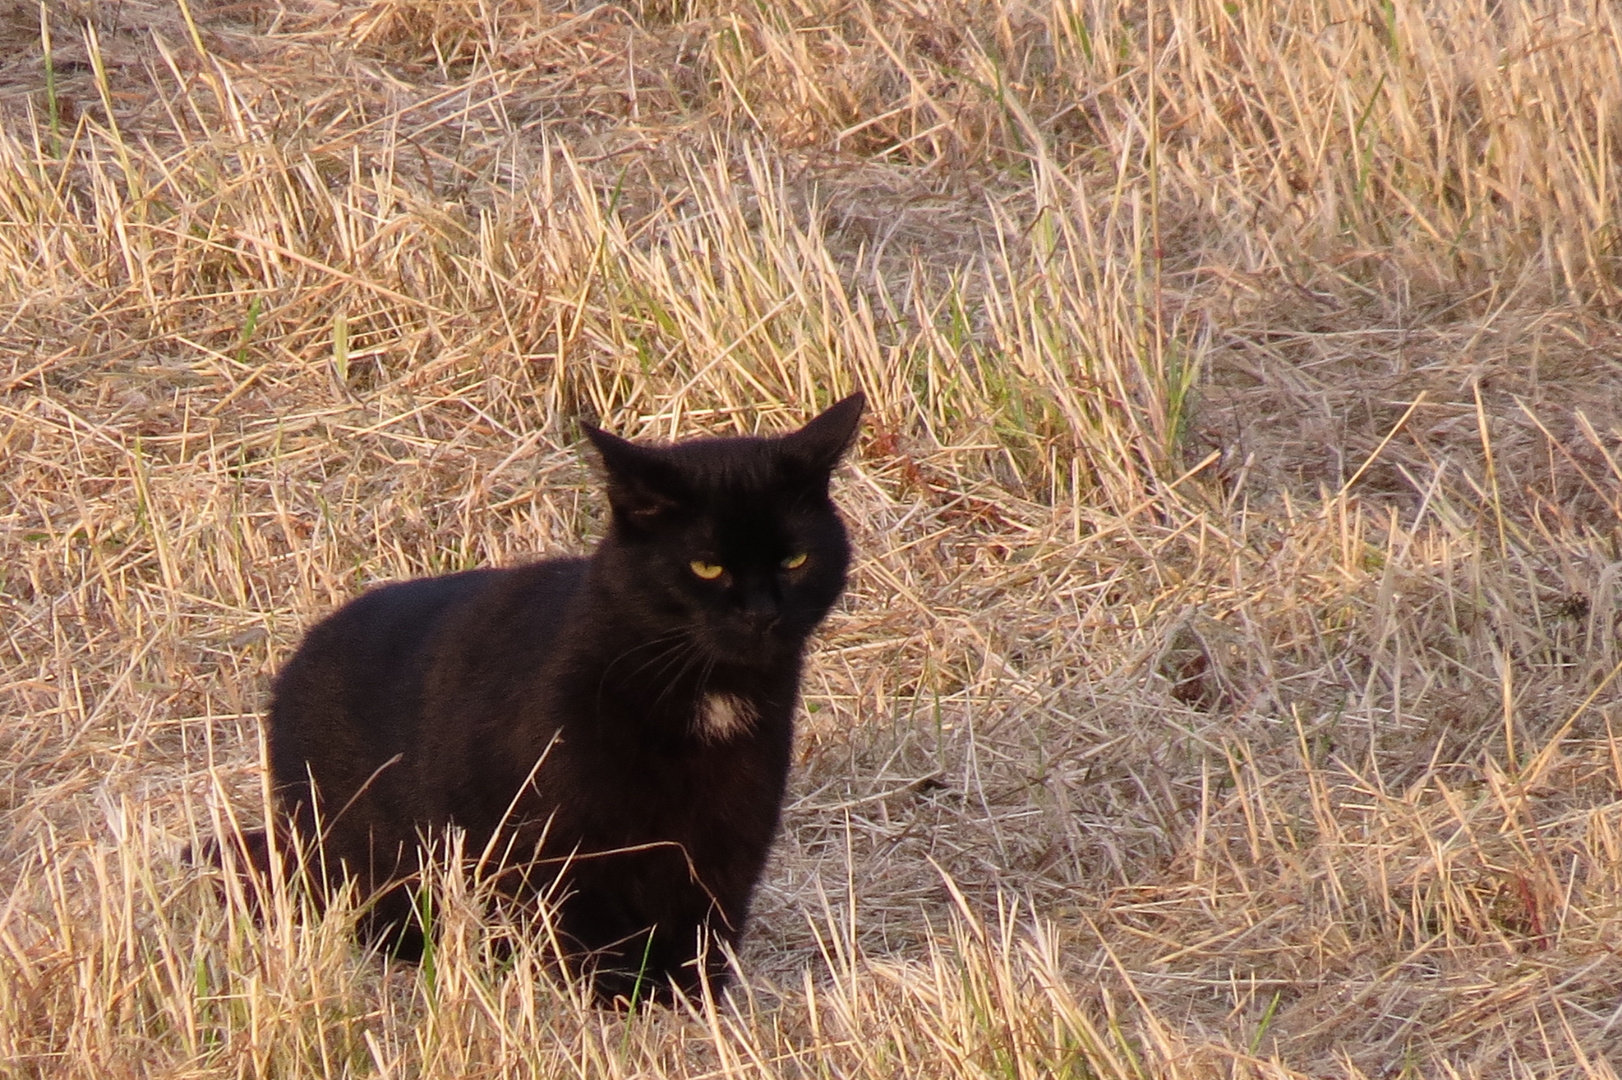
{"x":823,"y":441}
{"x":642,"y":485}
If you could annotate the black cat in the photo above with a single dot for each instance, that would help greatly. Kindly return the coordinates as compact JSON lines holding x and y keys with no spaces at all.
{"x":615,"y":729}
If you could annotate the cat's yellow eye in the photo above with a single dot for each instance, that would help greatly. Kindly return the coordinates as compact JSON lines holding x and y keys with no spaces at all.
{"x":794,"y":562}
{"x":707,"y":571}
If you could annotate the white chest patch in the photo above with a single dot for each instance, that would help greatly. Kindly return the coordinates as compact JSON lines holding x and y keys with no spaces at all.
{"x":723,"y":716}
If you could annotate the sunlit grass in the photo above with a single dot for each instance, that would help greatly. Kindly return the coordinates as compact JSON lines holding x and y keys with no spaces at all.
{"x":1229,"y":681}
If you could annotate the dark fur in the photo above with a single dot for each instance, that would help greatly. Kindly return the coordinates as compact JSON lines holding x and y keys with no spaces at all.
{"x":426,"y":704}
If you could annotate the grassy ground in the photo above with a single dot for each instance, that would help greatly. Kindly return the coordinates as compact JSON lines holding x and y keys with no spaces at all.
{"x":1229,"y":684}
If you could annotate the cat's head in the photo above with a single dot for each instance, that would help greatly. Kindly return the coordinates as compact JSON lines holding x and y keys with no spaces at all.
{"x":733,"y":539}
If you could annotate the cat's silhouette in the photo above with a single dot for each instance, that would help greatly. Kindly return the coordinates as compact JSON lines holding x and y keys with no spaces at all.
{"x":614,"y":730}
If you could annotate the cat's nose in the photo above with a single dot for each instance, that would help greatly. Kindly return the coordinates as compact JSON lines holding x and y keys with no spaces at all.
{"x":760,"y":613}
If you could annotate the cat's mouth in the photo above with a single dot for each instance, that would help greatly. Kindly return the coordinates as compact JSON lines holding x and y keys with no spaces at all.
{"x":747,"y":642}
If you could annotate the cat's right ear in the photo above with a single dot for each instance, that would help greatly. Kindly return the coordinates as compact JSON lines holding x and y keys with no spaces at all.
{"x":643,"y":488}
{"x":824,"y":439}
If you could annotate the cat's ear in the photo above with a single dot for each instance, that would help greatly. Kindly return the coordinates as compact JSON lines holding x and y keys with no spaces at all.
{"x":642,"y":486}
{"x":819,"y":445}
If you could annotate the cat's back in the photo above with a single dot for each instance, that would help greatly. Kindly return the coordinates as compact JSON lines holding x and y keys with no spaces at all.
{"x":384,"y":629}
{"x":359,"y":681}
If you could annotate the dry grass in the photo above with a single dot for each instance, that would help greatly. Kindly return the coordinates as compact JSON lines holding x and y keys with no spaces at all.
{"x":1230,"y":681}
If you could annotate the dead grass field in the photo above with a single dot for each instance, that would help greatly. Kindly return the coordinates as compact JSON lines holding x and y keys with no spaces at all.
{"x":1229,"y":684}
